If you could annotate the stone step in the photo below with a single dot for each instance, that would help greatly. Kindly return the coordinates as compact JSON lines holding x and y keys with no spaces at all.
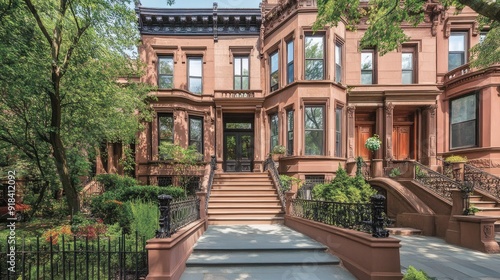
{"x":489,"y":212}
{"x":243,"y":203}
{"x":484,"y":204}
{"x":404,"y":231}
{"x":245,"y":221}
{"x":245,"y":213}
{"x":257,"y":257}
{"x":243,"y":207}
{"x":238,"y":188}
{"x":245,"y":183}
{"x":243,"y":196}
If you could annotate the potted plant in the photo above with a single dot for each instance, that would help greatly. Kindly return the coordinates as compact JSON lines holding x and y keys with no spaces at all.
{"x":457,"y":165}
{"x":373,"y":143}
{"x":278,"y":151}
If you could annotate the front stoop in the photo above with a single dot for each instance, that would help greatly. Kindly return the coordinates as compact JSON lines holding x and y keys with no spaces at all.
{"x":260,"y":252}
{"x":244,"y":198}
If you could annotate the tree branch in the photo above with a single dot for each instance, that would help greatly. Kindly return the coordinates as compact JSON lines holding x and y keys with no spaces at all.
{"x":39,"y":22}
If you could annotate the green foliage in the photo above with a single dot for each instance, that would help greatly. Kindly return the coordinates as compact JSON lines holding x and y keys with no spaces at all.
{"x":419,"y":173}
{"x":279,"y":150}
{"x":453,"y":159}
{"x":395,"y":172}
{"x":185,"y":164}
{"x":414,"y":274}
{"x":145,"y":217}
{"x":150,"y":193}
{"x":373,"y":143}
{"x":111,"y":210}
{"x":384,"y":18}
{"x":287,"y":182}
{"x":359,"y":165}
{"x":344,"y":188}
{"x":112,"y":182}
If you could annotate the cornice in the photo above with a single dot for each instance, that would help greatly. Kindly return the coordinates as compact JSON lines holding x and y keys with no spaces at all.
{"x":195,"y":22}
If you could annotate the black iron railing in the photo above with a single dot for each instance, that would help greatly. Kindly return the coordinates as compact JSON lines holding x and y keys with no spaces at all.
{"x":366,"y":217}
{"x":176,"y":214}
{"x":275,"y":176}
{"x":213,"y":167}
{"x":64,"y":258}
{"x":435,"y":181}
{"x":483,"y":180}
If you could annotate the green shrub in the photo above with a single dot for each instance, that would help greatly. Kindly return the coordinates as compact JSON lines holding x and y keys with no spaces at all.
{"x":150,"y":193}
{"x":287,"y":182}
{"x":344,"y":188}
{"x":395,"y":172}
{"x":111,"y":210}
{"x":113,"y":182}
{"x":145,"y":217}
{"x":415,"y":274}
{"x":454,"y":158}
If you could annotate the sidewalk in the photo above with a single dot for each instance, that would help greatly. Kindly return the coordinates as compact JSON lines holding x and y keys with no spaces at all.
{"x":445,"y":261}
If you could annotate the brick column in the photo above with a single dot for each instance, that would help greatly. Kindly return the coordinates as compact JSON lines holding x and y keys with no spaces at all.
{"x":431,"y":134}
{"x":387,"y":139}
{"x":351,"y":130}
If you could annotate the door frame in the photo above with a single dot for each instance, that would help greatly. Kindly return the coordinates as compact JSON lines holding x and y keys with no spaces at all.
{"x":238,"y":118}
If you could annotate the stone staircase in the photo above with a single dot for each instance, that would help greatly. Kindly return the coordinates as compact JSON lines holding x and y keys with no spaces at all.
{"x":244,"y":198}
{"x":261,"y":252}
{"x":487,"y":207}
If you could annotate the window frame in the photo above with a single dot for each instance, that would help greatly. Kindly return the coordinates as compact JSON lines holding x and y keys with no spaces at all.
{"x":271,"y":133}
{"x":290,"y":131}
{"x":190,"y":140}
{"x":465,"y":36}
{"x":160,"y":139}
{"x":414,"y":64}
{"x":339,"y":131}
{"x":160,"y":58}
{"x":373,"y":70}
{"x":339,"y":52}
{"x":290,"y":64}
{"x":323,"y":129}
{"x":476,"y":120}
{"x":189,"y":58}
{"x":274,"y":87}
{"x":323,"y":60}
{"x":241,"y":76}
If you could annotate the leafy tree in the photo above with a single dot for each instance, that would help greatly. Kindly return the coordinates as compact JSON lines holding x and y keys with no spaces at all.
{"x":385,"y":16}
{"x":59,"y":91}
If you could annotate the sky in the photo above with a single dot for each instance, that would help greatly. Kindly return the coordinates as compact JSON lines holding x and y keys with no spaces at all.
{"x":202,"y":3}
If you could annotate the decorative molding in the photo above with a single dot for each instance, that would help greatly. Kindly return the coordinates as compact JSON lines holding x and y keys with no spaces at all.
{"x":432,"y":110}
{"x":350,"y":111}
{"x":389,"y":108}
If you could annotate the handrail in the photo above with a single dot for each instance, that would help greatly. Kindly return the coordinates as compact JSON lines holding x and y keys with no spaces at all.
{"x":275,"y":176}
{"x":213,"y":167}
{"x":435,"y":181}
{"x":176,"y":214}
{"x":482,"y":180}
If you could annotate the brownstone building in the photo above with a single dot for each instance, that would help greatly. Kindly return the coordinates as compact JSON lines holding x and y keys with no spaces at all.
{"x":237,"y":82}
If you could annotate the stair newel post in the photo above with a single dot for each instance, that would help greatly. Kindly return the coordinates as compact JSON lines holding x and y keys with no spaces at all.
{"x":164,"y":205}
{"x":288,"y":203}
{"x":378,"y":217}
{"x":202,"y":197}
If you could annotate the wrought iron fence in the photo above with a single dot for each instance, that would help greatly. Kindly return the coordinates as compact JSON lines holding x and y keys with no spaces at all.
{"x":269,"y":165}
{"x":37,"y":258}
{"x":435,"y":181}
{"x":176,"y":214}
{"x":366,"y":217}
{"x":483,"y":180}
{"x":213,"y":167}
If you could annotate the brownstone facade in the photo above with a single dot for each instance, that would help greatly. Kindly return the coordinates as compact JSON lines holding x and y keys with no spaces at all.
{"x":237,"y":82}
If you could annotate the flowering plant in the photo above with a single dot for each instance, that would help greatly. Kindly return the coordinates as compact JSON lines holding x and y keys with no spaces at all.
{"x":279,"y":150}
{"x":373,"y":143}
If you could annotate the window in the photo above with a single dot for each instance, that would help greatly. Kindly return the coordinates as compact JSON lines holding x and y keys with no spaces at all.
{"x":338,"y":132}
{"x":338,"y":62}
{"x":456,"y":50}
{"x":314,"y":130}
{"x":274,"y":130}
{"x":408,"y":66}
{"x":289,"y":62}
{"x":165,"y":181}
{"x":464,"y":121}
{"x":274,"y":71}
{"x":314,"y":54}
{"x":195,"y":74}
{"x":165,"y":131}
{"x":241,"y":73}
{"x":165,"y":72}
{"x":367,"y":67}
{"x":482,"y":36}
{"x":196,"y":133}
{"x":289,"y":132}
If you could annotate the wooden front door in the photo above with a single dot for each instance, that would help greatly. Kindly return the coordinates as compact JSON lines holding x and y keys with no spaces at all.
{"x":363,"y":132}
{"x":401,"y":139}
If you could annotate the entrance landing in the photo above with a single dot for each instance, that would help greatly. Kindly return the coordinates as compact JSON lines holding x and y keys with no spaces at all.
{"x":264,"y":252}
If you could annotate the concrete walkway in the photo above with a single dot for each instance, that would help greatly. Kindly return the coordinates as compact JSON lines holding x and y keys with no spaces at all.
{"x":444,"y":261}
